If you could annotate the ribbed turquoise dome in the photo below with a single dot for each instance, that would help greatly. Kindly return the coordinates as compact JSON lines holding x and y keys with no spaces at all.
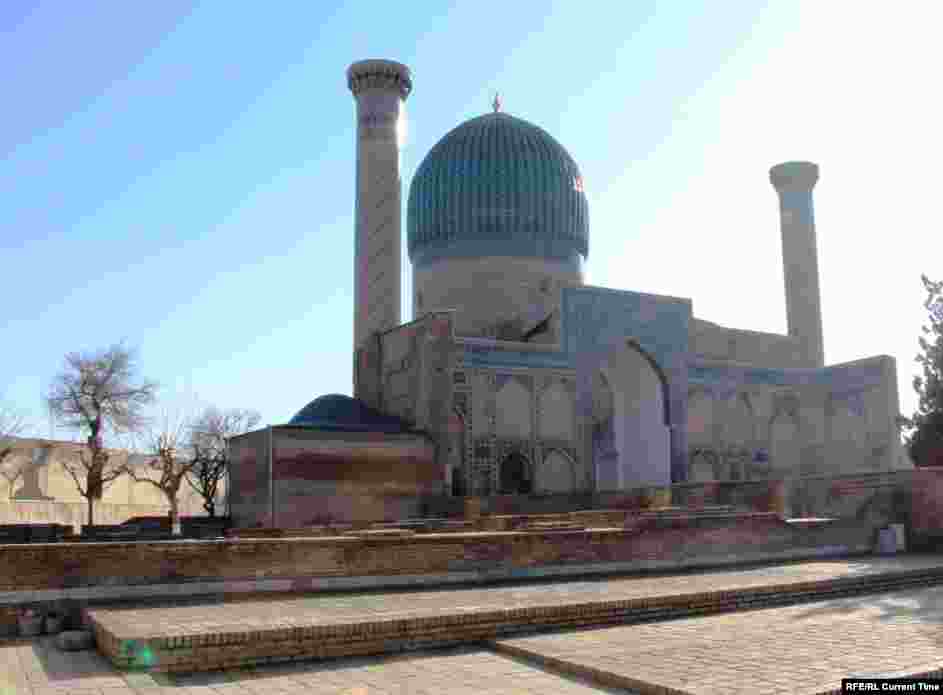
{"x":497,"y":186}
{"x":346,"y":414}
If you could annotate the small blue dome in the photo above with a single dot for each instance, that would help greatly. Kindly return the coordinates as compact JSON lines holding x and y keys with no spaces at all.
{"x":497,"y":186}
{"x":345,"y":414}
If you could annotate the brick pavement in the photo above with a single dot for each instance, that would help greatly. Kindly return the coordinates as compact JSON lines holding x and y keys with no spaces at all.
{"x":181,"y":638}
{"x":349,"y":608}
{"x":800,"y":650}
{"x":37,"y":668}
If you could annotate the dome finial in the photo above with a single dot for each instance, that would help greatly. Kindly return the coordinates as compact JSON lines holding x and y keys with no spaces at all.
{"x":497,"y":102}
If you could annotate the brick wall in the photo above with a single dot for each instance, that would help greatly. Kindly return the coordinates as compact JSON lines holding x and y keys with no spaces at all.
{"x":76,"y":513}
{"x":46,"y":493}
{"x":323,"y":477}
{"x":250,"y":501}
{"x":926,"y":505}
{"x":320,"y":478}
{"x":669,"y":539}
{"x":874,"y":498}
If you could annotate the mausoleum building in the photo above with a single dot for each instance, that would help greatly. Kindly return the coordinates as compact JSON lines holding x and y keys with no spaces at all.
{"x":521,"y":379}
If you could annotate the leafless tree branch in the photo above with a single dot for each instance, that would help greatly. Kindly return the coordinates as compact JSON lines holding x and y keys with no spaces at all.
{"x":209,"y":434}
{"x":168,"y":456}
{"x":12,"y":425}
{"x":98,"y":393}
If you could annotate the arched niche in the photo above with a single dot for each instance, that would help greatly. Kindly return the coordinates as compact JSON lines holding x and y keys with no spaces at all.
{"x":514,"y":476}
{"x":703,"y":465}
{"x":700,"y":418}
{"x":555,"y":418}
{"x":847,"y":432}
{"x":556,"y":473}
{"x":785,"y":445}
{"x":513,"y":410}
{"x":739,"y":426}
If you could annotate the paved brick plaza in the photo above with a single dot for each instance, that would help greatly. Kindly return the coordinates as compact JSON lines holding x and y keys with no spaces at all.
{"x":180,"y":620}
{"x":799,"y":649}
{"x":791,"y":650}
{"x":37,"y":668}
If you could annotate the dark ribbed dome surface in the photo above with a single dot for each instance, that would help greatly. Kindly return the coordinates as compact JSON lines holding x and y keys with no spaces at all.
{"x":497,"y":186}
{"x":343,"y":413}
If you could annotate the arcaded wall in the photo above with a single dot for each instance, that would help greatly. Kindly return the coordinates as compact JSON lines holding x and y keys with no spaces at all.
{"x":746,"y":422}
{"x":518,"y":417}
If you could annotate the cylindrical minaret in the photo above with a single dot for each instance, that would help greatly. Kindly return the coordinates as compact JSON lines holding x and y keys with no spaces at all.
{"x":794,"y":182}
{"x":380,"y":88}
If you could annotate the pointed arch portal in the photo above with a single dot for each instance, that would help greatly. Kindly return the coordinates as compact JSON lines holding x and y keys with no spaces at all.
{"x":640,"y":449}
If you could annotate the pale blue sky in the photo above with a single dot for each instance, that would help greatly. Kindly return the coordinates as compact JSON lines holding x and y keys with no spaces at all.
{"x":180,"y":175}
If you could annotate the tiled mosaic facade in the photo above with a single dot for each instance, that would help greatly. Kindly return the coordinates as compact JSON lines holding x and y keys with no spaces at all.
{"x":726,"y":421}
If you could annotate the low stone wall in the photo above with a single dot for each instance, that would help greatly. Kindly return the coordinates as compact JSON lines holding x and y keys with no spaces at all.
{"x":75,"y":514}
{"x":105,"y":572}
{"x":760,"y":495}
{"x":874,"y":498}
{"x":672,"y":539}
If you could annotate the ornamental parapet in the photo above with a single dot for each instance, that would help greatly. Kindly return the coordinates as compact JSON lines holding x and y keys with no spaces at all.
{"x":379,"y":74}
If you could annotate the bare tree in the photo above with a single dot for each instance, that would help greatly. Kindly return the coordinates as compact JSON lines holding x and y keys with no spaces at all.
{"x":12,"y":425}
{"x":97,"y":393}
{"x":12,"y":467}
{"x":168,"y":455}
{"x":209,"y":433}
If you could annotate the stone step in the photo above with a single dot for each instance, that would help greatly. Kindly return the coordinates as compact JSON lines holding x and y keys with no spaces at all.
{"x":207,"y":636}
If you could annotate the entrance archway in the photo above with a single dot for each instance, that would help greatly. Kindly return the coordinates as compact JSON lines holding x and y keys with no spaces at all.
{"x":515,"y":475}
{"x":641,"y":437}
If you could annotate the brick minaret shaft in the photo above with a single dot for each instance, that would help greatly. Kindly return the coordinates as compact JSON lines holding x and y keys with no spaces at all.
{"x":380,"y":88}
{"x":794,"y":182}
